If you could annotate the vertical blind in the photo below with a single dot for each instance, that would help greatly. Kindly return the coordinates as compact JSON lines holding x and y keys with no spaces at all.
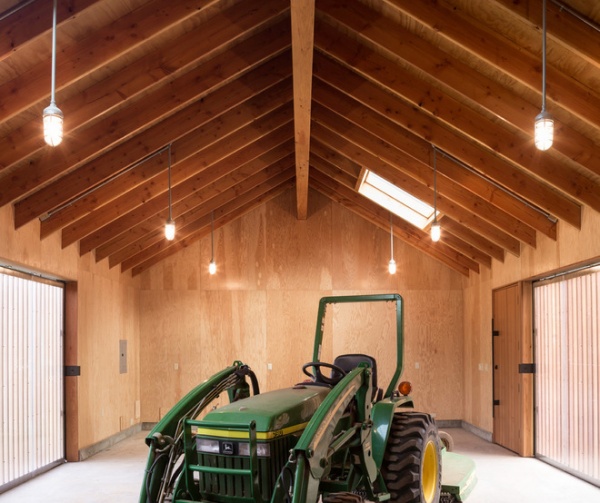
{"x":567,"y":345}
{"x":31,"y":363}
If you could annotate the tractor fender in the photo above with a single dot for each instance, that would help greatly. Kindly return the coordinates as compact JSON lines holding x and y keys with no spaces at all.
{"x":382,"y":414}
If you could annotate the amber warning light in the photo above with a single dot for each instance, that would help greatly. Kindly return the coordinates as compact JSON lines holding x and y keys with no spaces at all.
{"x":405,"y":388}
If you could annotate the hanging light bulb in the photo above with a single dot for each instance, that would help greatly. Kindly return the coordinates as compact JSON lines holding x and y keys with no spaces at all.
{"x":436,"y":230}
{"x":212,"y":266}
{"x":544,"y":130}
{"x":544,"y":124}
{"x":52,"y":116}
{"x":392,"y":266}
{"x":170,"y":225}
{"x":170,"y":229}
{"x":53,"y":125}
{"x":392,"y":262}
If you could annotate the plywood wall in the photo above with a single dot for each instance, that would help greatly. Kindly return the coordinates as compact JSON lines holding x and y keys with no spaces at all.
{"x":107,"y":312}
{"x":261,"y":306}
{"x":573,"y":247}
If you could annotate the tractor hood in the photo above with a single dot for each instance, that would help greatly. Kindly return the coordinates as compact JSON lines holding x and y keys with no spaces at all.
{"x":276,"y":413}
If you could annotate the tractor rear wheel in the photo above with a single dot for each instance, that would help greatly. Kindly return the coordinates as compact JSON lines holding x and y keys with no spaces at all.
{"x":412,"y":463}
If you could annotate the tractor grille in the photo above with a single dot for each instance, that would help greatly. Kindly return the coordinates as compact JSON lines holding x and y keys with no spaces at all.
{"x":221,"y":487}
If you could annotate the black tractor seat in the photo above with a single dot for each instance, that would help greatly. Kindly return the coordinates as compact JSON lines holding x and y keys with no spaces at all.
{"x":350,"y":361}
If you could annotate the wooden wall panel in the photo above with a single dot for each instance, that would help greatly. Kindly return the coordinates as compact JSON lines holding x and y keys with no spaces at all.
{"x":291,"y":322}
{"x":108,"y":312}
{"x":261,"y":305}
{"x":107,"y":307}
{"x":298,"y":252}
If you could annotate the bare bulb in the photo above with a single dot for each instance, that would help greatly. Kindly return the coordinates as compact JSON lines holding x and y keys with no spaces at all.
{"x":53,"y":125}
{"x":170,"y":229}
{"x":436,"y":231}
{"x":544,"y":131}
{"x":392,"y":266}
{"x":212,"y":267}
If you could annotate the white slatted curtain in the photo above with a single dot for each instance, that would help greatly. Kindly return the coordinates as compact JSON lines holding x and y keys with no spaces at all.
{"x":31,"y":370}
{"x":567,"y":347}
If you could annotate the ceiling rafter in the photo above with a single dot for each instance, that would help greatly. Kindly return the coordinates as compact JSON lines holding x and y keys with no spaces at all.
{"x":421,"y":169}
{"x":258,"y":98}
{"x":422,"y":117}
{"x":228,"y":112}
{"x":194,"y":53}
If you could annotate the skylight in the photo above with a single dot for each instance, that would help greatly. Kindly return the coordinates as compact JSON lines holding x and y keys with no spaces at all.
{"x":396,"y":200}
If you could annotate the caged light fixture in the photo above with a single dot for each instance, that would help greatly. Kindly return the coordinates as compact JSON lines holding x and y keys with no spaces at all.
{"x":436,"y":230}
{"x":170,"y":224}
{"x":212,"y":266}
{"x":544,"y":124}
{"x":392,"y":263}
{"x":52,"y":115}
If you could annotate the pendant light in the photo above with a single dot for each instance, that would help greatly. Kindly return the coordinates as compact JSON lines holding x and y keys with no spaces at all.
{"x":170,"y":224}
{"x":52,"y":115}
{"x":544,"y":124}
{"x":436,"y":230}
{"x":212,"y":266}
{"x":392,"y":263}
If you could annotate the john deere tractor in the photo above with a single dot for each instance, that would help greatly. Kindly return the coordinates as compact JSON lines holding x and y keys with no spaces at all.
{"x":337,"y":436}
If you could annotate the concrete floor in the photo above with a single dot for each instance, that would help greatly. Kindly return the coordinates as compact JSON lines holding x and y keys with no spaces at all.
{"x":115,"y":476}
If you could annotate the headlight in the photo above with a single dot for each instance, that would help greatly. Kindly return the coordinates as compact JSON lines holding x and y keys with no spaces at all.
{"x":207,"y":445}
{"x":262,"y":450}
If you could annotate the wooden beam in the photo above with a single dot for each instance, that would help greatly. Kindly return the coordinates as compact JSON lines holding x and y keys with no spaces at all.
{"x":564,"y":91}
{"x":340,"y":176}
{"x":476,"y":239}
{"x":360,"y":146}
{"x":102,"y":45}
{"x":186,"y":54}
{"x":230,"y":199}
{"x":486,"y":247}
{"x":137,"y":117}
{"x":229,"y":109}
{"x":421,"y":168}
{"x":339,"y":161}
{"x":28,"y":21}
{"x":425,"y":98}
{"x":562,"y":27}
{"x":224,"y":217}
{"x":120,"y":247}
{"x":232,"y":149}
{"x":303,"y":16}
{"x":513,"y":137}
{"x":333,"y":171}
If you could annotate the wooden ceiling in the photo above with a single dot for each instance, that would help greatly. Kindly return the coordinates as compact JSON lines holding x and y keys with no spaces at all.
{"x":259,"y":97}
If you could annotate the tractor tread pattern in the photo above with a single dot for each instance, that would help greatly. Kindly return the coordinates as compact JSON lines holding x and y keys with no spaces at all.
{"x":401,"y":462}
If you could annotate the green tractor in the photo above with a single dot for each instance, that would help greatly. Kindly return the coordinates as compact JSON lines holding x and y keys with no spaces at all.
{"x":337,"y":437}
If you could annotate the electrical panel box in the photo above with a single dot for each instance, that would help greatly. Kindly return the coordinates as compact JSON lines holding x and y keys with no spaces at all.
{"x":123,"y":356}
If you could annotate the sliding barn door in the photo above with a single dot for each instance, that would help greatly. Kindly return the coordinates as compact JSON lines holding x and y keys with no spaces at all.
{"x":567,"y":343}
{"x":31,"y":369}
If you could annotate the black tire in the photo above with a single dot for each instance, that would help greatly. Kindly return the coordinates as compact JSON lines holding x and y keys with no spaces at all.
{"x":412,"y":463}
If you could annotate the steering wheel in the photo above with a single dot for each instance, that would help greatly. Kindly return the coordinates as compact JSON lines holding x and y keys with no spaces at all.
{"x":319,"y":377}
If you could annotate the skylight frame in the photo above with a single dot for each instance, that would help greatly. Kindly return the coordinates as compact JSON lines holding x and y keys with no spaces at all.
{"x":394,"y":199}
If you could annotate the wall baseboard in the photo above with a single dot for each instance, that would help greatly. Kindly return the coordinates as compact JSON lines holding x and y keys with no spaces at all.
{"x":90,"y":450}
{"x":486,"y":435}
{"x":459,"y":423}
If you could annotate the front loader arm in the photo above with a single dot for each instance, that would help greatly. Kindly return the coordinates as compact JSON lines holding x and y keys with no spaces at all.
{"x":310,"y":458}
{"x":166,"y":438}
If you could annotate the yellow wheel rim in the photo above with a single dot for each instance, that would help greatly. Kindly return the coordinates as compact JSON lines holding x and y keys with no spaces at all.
{"x":429,"y":472}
